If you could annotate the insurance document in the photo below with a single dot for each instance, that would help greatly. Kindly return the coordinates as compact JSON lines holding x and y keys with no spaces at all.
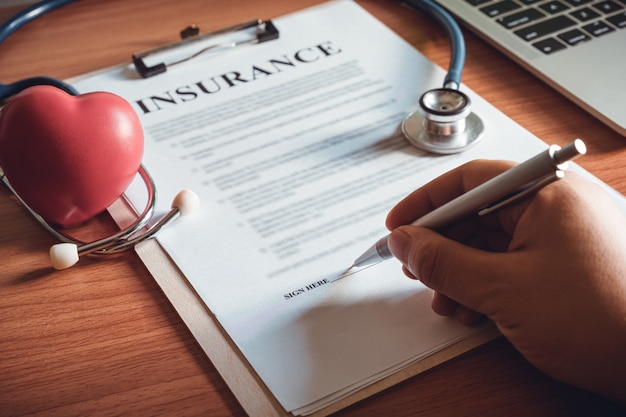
{"x":295,"y":150}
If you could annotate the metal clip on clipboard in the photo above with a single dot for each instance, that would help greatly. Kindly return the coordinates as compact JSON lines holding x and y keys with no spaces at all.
{"x":264,"y":30}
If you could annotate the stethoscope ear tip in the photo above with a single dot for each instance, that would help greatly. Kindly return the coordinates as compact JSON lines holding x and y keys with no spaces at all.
{"x":186,"y":201}
{"x":63,"y":255}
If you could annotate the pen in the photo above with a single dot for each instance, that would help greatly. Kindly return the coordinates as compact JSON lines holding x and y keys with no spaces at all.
{"x":512,"y":185}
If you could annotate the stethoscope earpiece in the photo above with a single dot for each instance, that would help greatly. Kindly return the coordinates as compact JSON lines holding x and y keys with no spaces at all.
{"x":59,"y":191}
{"x":65,"y":254}
{"x":444,"y":123}
{"x":34,"y":96}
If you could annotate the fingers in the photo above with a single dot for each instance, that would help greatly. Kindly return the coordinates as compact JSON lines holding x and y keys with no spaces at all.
{"x":443,"y":189}
{"x":442,"y":305}
{"x":446,"y":306}
{"x":469,"y":276}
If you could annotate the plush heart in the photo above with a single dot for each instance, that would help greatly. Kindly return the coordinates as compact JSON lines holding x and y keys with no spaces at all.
{"x":69,"y":157}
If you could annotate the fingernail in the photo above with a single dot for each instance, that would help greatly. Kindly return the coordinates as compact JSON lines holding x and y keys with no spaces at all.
{"x":399,"y":243}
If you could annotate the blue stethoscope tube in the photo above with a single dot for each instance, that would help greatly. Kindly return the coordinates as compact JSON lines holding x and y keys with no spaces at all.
{"x":455,"y":35}
{"x":28,"y":14}
{"x":8,"y":27}
{"x":444,"y":123}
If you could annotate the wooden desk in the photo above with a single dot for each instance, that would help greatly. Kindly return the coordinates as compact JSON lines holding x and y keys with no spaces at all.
{"x":101,"y":339}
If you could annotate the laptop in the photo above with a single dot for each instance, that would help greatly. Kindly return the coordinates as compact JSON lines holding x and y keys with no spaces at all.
{"x":576,"y":46}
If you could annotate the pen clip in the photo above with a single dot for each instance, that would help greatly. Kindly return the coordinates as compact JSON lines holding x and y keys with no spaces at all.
{"x":524,"y":192}
{"x":264,"y":31}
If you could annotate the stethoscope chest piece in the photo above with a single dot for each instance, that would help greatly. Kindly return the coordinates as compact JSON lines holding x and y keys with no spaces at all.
{"x":444,"y":124}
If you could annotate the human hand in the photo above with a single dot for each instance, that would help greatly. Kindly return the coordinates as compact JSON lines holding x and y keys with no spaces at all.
{"x":549,"y":271}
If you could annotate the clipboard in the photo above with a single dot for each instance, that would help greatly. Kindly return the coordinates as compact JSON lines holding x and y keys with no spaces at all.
{"x":247,"y":386}
{"x":255,"y":398}
{"x":259,"y":31}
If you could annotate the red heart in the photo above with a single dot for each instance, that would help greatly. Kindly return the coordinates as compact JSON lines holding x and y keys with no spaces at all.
{"x":69,"y":157}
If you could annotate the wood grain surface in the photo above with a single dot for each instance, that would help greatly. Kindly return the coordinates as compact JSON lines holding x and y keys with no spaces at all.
{"x":100,"y":339}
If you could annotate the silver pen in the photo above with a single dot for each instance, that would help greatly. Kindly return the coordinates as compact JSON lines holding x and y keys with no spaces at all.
{"x":512,"y":185}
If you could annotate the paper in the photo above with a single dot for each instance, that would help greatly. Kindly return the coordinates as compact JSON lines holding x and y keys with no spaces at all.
{"x":295,"y":150}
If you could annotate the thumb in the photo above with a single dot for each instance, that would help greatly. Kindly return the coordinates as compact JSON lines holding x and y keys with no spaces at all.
{"x":462,"y":273}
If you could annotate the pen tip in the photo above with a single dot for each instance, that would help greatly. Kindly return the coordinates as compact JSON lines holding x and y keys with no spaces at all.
{"x":341,"y":275}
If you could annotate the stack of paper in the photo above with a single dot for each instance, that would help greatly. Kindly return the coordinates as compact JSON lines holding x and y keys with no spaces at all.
{"x":295,"y":150}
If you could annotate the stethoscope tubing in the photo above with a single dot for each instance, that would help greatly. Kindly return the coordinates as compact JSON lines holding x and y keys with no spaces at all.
{"x":8,"y":27}
{"x":110,"y":244}
{"x":455,"y":35}
{"x":28,"y":14}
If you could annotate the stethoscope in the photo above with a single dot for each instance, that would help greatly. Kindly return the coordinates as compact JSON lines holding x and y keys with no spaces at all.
{"x":443,"y":124}
{"x":67,"y":253}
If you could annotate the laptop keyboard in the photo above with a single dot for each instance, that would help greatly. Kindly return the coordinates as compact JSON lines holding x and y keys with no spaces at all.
{"x":551,"y":26}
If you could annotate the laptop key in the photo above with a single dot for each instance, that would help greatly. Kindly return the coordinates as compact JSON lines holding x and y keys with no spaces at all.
{"x":573,"y":37}
{"x":608,"y":7}
{"x":585,"y":14}
{"x":578,"y":2}
{"x":619,"y":20}
{"x":521,"y":18}
{"x":554,"y":7}
{"x":546,"y":27}
{"x":477,"y":2}
{"x":598,"y":28}
{"x":499,"y":8}
{"x":548,"y":46}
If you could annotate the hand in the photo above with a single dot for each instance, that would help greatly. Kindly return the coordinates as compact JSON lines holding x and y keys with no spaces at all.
{"x":549,"y":271}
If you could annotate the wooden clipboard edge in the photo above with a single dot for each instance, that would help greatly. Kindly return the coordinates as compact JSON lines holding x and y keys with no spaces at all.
{"x":255,"y":398}
{"x":241,"y":379}
{"x":245,"y":384}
